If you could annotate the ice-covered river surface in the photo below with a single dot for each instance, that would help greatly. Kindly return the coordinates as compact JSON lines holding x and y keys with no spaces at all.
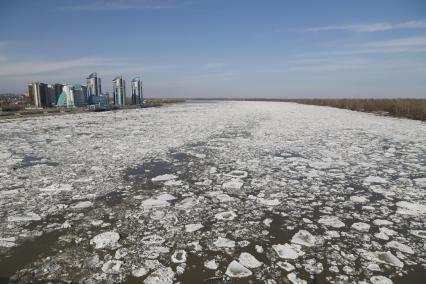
{"x":216,"y":192}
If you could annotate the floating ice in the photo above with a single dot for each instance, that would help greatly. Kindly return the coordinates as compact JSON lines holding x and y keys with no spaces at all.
{"x":375,"y":179}
{"x":163,"y":275}
{"x":286,"y":266}
{"x":227,"y":215}
{"x":380,"y":222}
{"x":401,"y":247}
{"x":287,"y":251}
{"x":30,"y":216}
{"x":224,"y":243}
{"x":238,"y":174}
{"x":179,"y":256}
{"x":165,"y":177}
{"x":211,"y":264}
{"x":408,"y":208}
{"x":236,"y":270}
{"x":269,"y":202}
{"x":153,"y":240}
{"x":259,"y":249}
{"x":139,"y":272}
{"x":313,"y":267}
{"x":359,"y":199}
{"x":387,"y":231}
{"x":384,"y":257}
{"x":420,"y":181}
{"x":381,"y":236}
{"x":105,"y":240}
{"x":193,"y":227}
{"x":331,"y":221}
{"x":360,"y":226}
{"x":234,"y":184}
{"x":303,"y":237}
{"x":112,"y":266}
{"x":293,"y":279}
{"x":57,"y":188}
{"x":419,"y":233}
{"x":82,"y":205}
{"x":249,"y":260}
{"x":7,"y":242}
{"x":379,"y":279}
{"x":160,"y":201}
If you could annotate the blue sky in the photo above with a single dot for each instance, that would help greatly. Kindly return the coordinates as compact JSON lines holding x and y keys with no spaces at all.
{"x":220,"y":48}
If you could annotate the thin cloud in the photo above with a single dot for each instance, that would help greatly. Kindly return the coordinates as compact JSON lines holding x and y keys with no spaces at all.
{"x":374,"y":27}
{"x":216,"y":65}
{"x":109,"y":5}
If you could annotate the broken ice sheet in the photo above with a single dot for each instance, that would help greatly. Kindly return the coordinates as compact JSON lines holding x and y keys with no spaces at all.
{"x":233,"y":192}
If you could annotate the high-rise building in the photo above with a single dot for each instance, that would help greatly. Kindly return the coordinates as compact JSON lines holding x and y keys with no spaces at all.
{"x":137,"y":93}
{"x":119,"y":90}
{"x":72,"y":96}
{"x":93,"y":85}
{"x":54,"y":91}
{"x":39,"y":94}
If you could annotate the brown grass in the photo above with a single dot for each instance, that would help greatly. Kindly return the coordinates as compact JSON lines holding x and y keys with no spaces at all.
{"x":408,"y":108}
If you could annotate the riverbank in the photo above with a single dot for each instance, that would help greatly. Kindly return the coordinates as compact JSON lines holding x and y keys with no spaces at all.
{"x":31,"y":112}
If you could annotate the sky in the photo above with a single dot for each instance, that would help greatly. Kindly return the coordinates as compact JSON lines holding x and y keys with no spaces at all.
{"x":220,"y":48}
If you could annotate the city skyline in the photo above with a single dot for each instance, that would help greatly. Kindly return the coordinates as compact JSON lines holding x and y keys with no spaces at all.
{"x":210,"y":48}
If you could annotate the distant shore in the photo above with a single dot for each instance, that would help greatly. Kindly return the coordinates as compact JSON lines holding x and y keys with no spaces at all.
{"x":32,"y":112}
{"x":404,"y":108}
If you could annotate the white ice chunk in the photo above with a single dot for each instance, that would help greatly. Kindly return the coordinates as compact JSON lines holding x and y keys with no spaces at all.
{"x":303,"y":237}
{"x":193,"y":227}
{"x":54,"y":188}
{"x":139,"y":271}
{"x":375,"y":179}
{"x":380,"y":222}
{"x":236,"y":270}
{"x":420,"y":181}
{"x":331,"y":221}
{"x":224,"y":243}
{"x":7,"y":242}
{"x":294,"y":279}
{"x":401,"y":247}
{"x":381,"y":236}
{"x":287,"y":251}
{"x":359,"y":199}
{"x":408,"y":208}
{"x":234,"y":184}
{"x":419,"y":233}
{"x":105,"y":240}
{"x":211,"y":264}
{"x":165,"y":177}
{"x":30,"y":216}
{"x":227,"y":215}
{"x":82,"y":205}
{"x":163,"y":275}
{"x":286,"y":266}
{"x":360,"y":226}
{"x":159,"y":201}
{"x":112,"y":266}
{"x":269,"y":202}
{"x":379,"y":279}
{"x":249,"y":260}
{"x":179,"y":256}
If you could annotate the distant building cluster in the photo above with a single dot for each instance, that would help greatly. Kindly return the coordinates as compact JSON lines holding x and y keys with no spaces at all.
{"x":75,"y":95}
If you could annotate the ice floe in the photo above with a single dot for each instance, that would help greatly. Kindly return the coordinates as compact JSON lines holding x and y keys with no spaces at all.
{"x":236,"y":270}
{"x":303,"y":237}
{"x":331,"y":221}
{"x":249,"y":260}
{"x":105,"y":240}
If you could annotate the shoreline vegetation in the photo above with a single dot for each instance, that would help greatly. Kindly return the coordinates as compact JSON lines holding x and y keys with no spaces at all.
{"x":402,"y":108}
